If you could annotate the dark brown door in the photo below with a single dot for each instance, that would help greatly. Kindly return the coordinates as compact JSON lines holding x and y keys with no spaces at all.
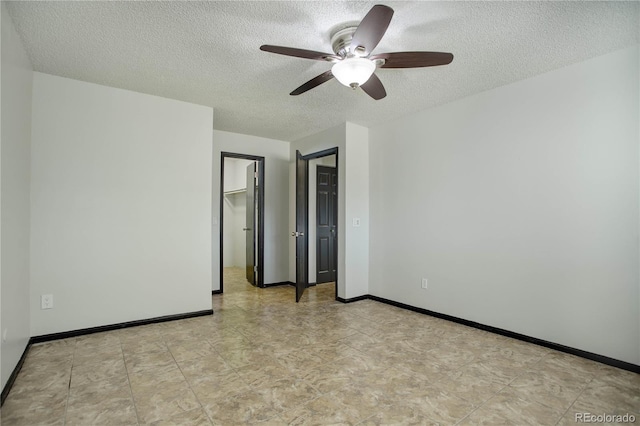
{"x":250,"y":226}
{"x":326,"y":221}
{"x":302,"y":202}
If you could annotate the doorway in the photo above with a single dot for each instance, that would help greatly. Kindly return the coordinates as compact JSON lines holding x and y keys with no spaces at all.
{"x":309,"y":239}
{"x":242,"y":217}
{"x":323,"y":220}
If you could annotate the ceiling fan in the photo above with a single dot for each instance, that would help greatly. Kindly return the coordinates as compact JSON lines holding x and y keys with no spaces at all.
{"x":353,"y":64}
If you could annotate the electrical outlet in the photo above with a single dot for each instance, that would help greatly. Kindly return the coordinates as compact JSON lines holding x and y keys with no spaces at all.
{"x":356,"y":222}
{"x":424,"y":283}
{"x":46,"y":301}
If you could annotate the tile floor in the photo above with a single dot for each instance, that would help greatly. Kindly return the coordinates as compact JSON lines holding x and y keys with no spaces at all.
{"x":262,"y":358}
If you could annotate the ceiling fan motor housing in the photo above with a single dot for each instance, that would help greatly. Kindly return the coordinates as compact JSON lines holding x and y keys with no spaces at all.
{"x":341,"y":41}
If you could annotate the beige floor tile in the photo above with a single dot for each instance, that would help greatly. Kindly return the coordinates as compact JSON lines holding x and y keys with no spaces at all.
{"x":150,"y":361}
{"x":53,"y":349}
{"x":509,"y":408}
{"x":245,"y":408}
{"x":96,"y":354}
{"x":196,"y":417}
{"x":193,"y":369}
{"x":35,"y":408}
{"x":264,"y":359}
{"x":300,"y":360}
{"x":190,"y":350}
{"x":547,"y":389}
{"x":141,"y":333}
{"x":113,"y":371}
{"x":109,"y":338}
{"x":471,"y":383}
{"x":260,"y":375}
{"x":576,"y":366}
{"x":326,"y":378}
{"x":164,"y":402}
{"x":399,"y":414}
{"x":424,"y":367}
{"x":627,"y":381}
{"x":286,"y":394}
{"x":53,"y":379}
{"x":101,"y":403}
{"x":601,"y":396}
{"x":504,"y":370}
{"x":325,"y":410}
{"x":441,"y":406}
{"x":39,"y":417}
{"x":452,"y":357}
{"x":149,"y":380}
{"x":215,"y":386}
{"x":144,"y":346}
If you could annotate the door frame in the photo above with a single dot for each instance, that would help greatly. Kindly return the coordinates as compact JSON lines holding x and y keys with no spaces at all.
{"x":260,"y":203}
{"x":312,"y":156}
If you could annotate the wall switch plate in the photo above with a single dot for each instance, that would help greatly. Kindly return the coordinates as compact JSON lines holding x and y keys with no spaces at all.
{"x":356,"y":221}
{"x":424,"y":283}
{"x":46,"y":301}
{"x":4,"y":334}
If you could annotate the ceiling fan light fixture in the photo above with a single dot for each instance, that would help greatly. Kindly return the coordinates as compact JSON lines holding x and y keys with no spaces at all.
{"x":353,"y":72}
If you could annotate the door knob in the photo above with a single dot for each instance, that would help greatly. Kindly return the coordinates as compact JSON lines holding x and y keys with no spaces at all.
{"x":297,"y":234}
{"x":246,"y":229}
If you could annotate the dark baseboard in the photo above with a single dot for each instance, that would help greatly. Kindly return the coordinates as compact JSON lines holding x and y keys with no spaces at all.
{"x":91,"y":330}
{"x":110,"y":327}
{"x":14,"y":374}
{"x":353,"y":299}
{"x":558,"y":347}
{"x":280,"y":283}
{"x":216,"y":292}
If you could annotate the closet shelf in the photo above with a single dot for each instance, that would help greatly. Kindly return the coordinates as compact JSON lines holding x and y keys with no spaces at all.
{"x":235,"y":191}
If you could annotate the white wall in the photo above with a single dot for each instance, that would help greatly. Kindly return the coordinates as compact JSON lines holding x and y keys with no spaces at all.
{"x":521,"y":207}
{"x":121,"y":205}
{"x":235,"y":212}
{"x":15,"y":134}
{"x":353,"y":188}
{"x":276,"y":232}
{"x":356,"y":157}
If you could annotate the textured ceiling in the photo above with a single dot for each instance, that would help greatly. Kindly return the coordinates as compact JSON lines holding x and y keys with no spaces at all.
{"x":207,"y":52}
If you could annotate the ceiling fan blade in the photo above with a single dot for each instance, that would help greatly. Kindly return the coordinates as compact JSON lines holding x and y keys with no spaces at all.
{"x":300,"y":53}
{"x":314,"y":82}
{"x":371,"y":29}
{"x":374,"y":88}
{"x":413,"y":59}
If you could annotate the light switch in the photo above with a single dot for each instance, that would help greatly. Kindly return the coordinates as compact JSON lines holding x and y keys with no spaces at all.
{"x":356,"y":222}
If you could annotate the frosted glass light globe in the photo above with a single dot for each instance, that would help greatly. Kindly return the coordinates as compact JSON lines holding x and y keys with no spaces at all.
{"x":353,"y":72}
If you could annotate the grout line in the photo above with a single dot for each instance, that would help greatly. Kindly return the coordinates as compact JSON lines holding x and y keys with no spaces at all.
{"x":73,"y":359}
{"x":574,"y":401}
{"x":187,"y":382}
{"x":126,"y":369}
